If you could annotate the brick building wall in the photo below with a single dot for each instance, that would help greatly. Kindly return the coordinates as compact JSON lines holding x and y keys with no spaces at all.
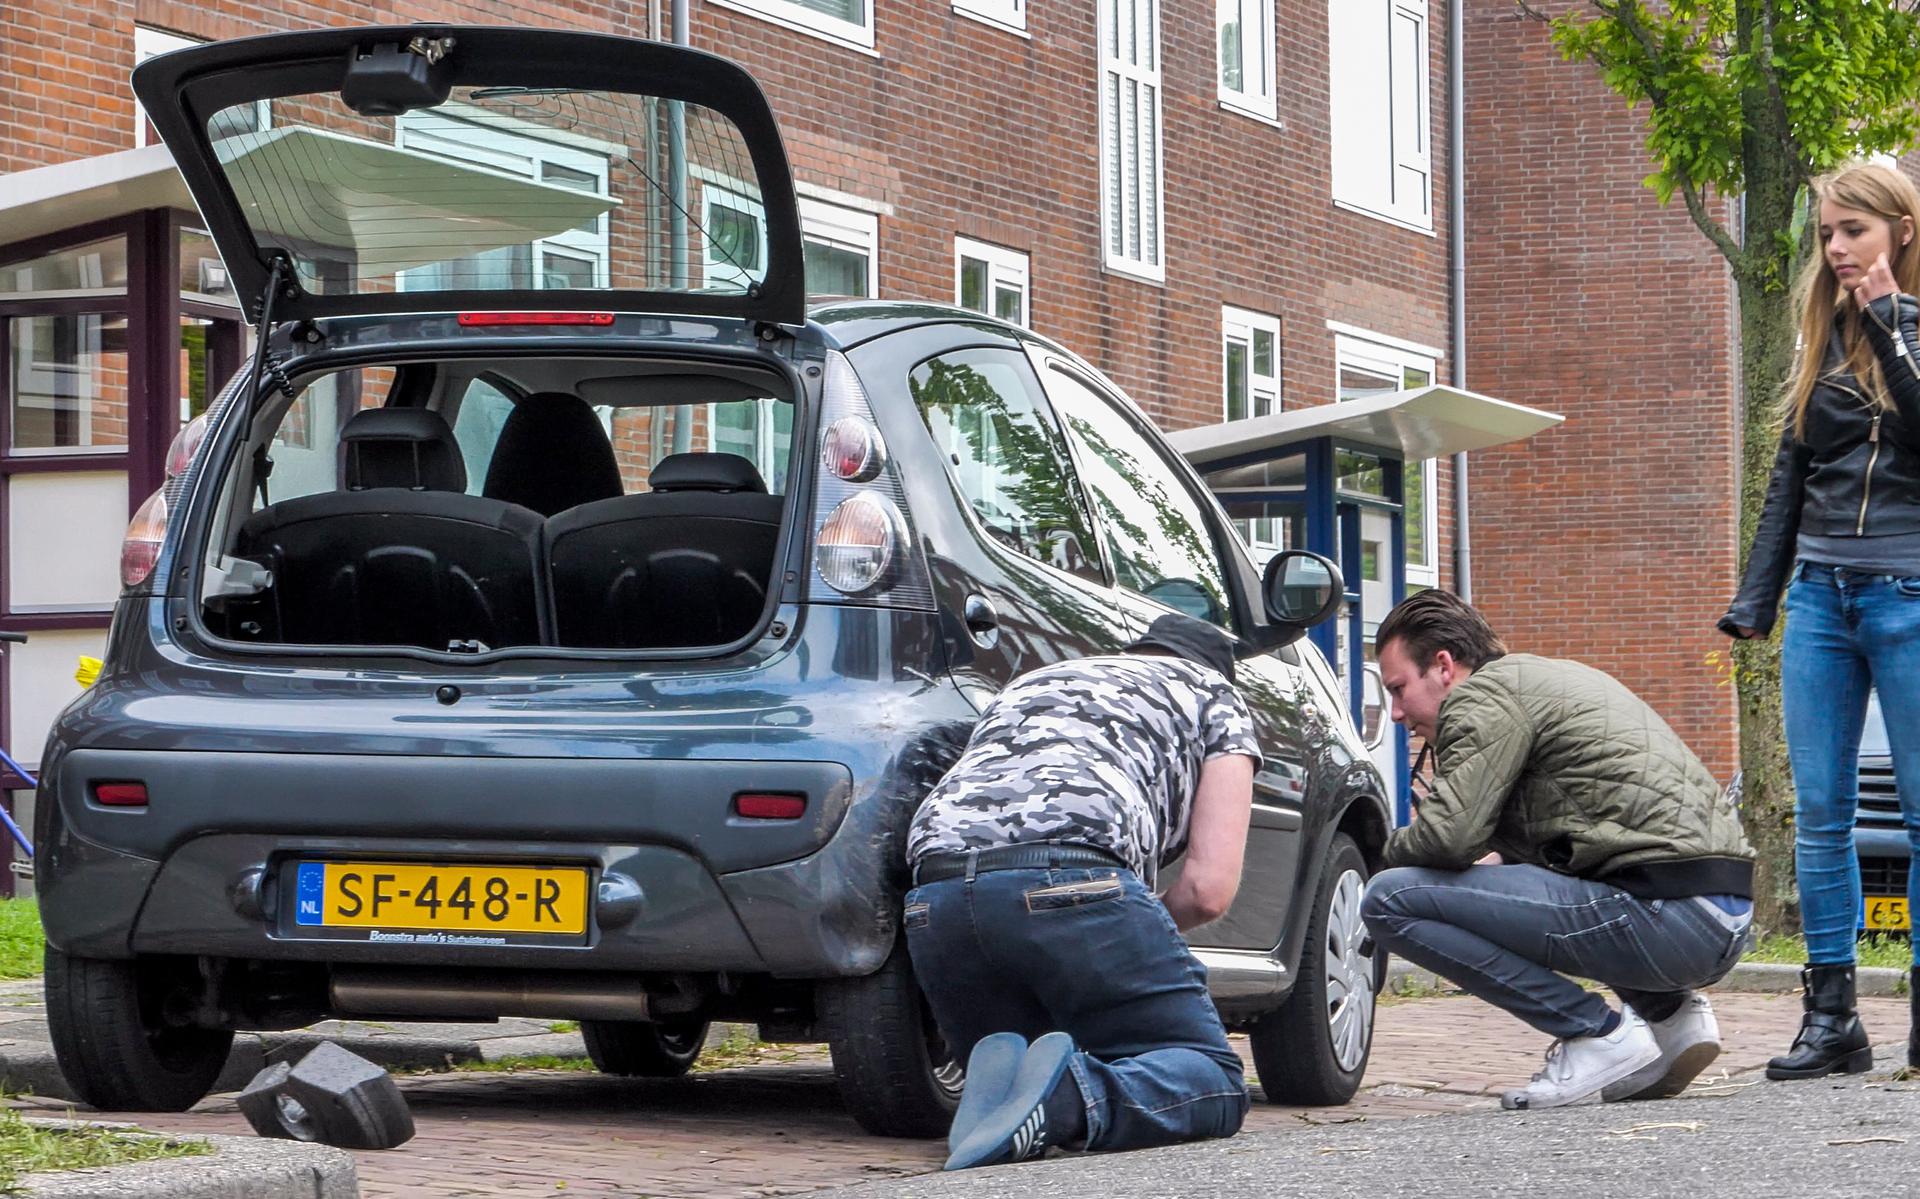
{"x":1611,"y":538}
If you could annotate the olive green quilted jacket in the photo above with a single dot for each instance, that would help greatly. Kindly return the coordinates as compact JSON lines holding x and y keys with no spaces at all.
{"x":1556,"y":764}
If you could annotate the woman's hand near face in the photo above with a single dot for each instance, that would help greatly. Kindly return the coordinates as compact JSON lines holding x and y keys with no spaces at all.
{"x":1879,"y":282}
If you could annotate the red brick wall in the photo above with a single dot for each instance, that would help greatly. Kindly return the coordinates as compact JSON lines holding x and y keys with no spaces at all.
{"x":1611,"y":538}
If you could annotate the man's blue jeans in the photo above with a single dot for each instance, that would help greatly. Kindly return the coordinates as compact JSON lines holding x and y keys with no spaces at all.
{"x":1846,"y":632}
{"x":1092,"y":953}
{"x":1508,"y":934}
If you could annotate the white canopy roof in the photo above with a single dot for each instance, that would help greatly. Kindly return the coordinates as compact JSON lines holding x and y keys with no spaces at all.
{"x":1427,"y":422}
{"x":331,"y":207}
{"x":48,"y":199}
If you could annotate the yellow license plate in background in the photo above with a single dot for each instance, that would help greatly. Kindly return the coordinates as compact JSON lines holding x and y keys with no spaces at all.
{"x":1886,"y":914}
{"x":465,"y":898}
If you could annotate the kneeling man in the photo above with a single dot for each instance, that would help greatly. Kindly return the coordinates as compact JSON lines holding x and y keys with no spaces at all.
{"x":1033,"y":913}
{"x":1569,"y":831}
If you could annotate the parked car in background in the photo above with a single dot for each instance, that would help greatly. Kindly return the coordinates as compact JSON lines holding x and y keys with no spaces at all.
{"x":524,"y":637}
{"x":1879,"y":833}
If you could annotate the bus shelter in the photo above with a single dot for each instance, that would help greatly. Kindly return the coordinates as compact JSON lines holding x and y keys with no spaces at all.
{"x":1332,"y":478}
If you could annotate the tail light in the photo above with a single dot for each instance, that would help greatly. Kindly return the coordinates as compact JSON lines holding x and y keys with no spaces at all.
{"x":141,"y":549}
{"x":186,"y":443}
{"x":852,"y":449}
{"x":856,"y":544}
{"x":864,"y":541}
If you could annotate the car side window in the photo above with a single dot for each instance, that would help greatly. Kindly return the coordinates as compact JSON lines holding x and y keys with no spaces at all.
{"x":1006,"y":455}
{"x":1162,"y":545}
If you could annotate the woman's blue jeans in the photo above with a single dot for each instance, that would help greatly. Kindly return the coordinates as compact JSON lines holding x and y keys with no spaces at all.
{"x":1847,"y":632}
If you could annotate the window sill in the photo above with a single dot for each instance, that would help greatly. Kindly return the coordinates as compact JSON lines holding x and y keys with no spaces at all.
{"x":1398,"y":221}
{"x":1251,"y":113}
{"x":840,"y":34}
{"x":1019,"y":31}
{"x":1157,"y":276}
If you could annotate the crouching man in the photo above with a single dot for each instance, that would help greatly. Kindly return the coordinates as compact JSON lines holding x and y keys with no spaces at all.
{"x":1568,"y":831}
{"x":1033,"y":924}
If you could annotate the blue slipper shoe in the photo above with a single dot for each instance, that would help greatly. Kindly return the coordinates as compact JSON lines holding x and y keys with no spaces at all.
{"x":990,"y":1071}
{"x":1016,"y":1128}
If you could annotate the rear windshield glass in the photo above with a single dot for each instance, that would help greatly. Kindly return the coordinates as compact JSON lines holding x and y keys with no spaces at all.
{"x":499,"y":188}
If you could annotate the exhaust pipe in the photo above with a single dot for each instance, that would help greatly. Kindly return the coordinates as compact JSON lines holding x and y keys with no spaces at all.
{"x":486,"y":994}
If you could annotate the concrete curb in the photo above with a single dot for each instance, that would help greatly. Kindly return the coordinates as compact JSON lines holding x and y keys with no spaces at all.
{"x":1771,"y":978}
{"x":239,"y":1168}
{"x":34,"y":1070}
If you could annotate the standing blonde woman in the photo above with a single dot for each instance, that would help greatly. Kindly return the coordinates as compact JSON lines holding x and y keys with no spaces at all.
{"x":1841,"y":532}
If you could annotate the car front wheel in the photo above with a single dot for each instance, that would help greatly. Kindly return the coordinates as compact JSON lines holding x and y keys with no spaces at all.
{"x":897,"y":1076}
{"x":1313,"y":1049}
{"x":120,"y":1035}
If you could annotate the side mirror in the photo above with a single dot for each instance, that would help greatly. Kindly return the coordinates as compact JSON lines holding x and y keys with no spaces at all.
{"x":1301,"y":589}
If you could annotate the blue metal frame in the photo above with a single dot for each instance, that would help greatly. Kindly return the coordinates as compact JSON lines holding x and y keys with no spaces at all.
{"x":1333,"y":531}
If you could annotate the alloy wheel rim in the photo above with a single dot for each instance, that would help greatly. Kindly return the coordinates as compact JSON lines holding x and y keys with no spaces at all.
{"x":1350,"y":975}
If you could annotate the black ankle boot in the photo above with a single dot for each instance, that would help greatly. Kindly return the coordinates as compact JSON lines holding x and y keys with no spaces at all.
{"x":1831,"y":1040}
{"x":1913,"y":1003}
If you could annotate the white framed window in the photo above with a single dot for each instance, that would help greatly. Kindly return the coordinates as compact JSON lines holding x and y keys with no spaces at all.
{"x":575,"y":258}
{"x":1250,"y":361}
{"x":990,"y":279}
{"x":842,"y":249}
{"x":1369,"y":367}
{"x":1131,"y":214}
{"x":849,"y":22}
{"x":1250,"y":387}
{"x":148,"y":42}
{"x":1381,"y":119}
{"x":1247,"y":57}
{"x":733,"y":239}
{"x":1008,"y":14}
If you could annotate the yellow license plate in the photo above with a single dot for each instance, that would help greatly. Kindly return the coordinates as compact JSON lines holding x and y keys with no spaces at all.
{"x":467,"y":898}
{"x":1886,"y":914}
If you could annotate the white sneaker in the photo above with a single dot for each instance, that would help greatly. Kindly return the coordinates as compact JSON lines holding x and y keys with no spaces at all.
{"x":1580,"y":1067}
{"x":1689,"y":1040}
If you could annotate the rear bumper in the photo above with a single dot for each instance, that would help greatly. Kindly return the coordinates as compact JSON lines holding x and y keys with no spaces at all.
{"x":680,"y":883}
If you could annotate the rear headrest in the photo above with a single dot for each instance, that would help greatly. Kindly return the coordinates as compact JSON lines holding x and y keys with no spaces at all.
{"x":705,"y":472}
{"x":552,"y":454}
{"x":400,"y":447}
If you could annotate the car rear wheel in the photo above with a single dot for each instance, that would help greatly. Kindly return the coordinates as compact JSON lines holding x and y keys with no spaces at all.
{"x":120,"y":1034}
{"x":1313,"y":1049}
{"x":897,"y":1076}
{"x":644,"y":1049}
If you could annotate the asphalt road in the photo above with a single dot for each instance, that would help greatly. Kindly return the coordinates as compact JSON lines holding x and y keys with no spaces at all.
{"x":1763,"y":1139}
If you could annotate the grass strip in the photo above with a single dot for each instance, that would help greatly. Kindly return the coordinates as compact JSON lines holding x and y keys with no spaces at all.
{"x":33,"y":1148}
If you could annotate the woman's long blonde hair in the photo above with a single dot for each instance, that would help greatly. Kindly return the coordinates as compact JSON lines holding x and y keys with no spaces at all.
{"x":1889,"y":195}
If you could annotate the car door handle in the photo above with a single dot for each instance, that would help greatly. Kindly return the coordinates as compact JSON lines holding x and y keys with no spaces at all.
{"x":983,"y":622}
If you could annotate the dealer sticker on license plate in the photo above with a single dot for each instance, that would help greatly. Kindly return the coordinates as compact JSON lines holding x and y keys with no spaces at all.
{"x":464,"y":898}
{"x":1886,"y":913}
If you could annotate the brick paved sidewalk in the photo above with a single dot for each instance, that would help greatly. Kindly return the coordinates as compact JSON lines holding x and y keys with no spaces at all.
{"x":777,"y":1127}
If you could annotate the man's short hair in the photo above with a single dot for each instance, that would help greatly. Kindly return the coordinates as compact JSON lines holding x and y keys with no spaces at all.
{"x":1436,"y":620}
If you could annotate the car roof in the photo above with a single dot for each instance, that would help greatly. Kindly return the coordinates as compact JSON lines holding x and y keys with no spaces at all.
{"x":848,"y":322}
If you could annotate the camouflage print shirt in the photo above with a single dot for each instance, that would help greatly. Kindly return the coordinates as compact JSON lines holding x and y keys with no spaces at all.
{"x":1102,"y":752}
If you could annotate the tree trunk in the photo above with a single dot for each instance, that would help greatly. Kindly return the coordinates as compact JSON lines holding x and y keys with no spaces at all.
{"x":1767,"y":329}
{"x":1766,"y":349}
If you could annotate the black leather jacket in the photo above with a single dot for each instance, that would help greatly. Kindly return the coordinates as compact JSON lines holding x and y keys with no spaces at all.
{"x":1856,"y":474}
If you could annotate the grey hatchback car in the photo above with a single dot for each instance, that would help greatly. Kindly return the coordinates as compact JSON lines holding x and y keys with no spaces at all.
{"x":558,"y":619}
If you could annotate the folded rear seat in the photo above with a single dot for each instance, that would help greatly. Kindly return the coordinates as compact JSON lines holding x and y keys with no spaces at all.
{"x":402,"y":556}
